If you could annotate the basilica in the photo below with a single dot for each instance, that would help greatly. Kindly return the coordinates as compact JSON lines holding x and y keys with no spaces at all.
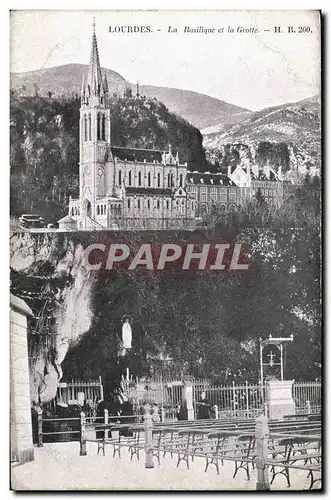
{"x":127,"y":188}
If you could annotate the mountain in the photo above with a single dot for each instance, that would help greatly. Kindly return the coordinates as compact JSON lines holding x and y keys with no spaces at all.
{"x":297,"y":125}
{"x":288,"y":121}
{"x":198,"y":109}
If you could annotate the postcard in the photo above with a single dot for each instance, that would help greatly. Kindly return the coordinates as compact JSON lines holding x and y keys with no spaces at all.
{"x":165,"y":220}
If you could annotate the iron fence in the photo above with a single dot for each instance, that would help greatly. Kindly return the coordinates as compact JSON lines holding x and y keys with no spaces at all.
{"x":242,"y":400}
{"x":307,"y":394}
{"x":84,"y":393}
{"x":239,"y":400}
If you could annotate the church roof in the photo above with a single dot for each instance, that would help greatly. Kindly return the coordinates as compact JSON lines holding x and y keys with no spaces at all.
{"x":67,"y":218}
{"x":208,"y":179}
{"x":138,"y":155}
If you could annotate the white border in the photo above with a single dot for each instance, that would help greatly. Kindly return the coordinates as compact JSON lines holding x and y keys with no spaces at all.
{"x":324,"y":5}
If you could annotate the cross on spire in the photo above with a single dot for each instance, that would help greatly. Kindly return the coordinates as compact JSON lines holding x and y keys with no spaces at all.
{"x":94,"y":76}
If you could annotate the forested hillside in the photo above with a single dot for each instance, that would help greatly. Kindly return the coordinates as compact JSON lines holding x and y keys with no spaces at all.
{"x":288,"y":135}
{"x":199,"y":109}
{"x":44,"y":145}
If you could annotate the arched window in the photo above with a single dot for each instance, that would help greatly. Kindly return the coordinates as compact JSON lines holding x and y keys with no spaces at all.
{"x":72,"y":211}
{"x":148,"y":204}
{"x":98,"y":126}
{"x":138,"y":204}
{"x":89,"y":128}
{"x":85,"y":127}
{"x":181,"y":179}
{"x":103,"y":127}
{"x":168,"y":180}
{"x":159,"y":180}
{"x":120,"y":177}
{"x":119,"y":209}
{"x":98,"y":210}
{"x":158,"y":204}
{"x":78,"y":210}
{"x":139,"y":178}
{"x":104,"y":209}
{"x":87,"y":208}
{"x":101,"y":208}
{"x":149,"y":179}
{"x":192,"y":205}
{"x":130,"y":178}
{"x":167,"y":204}
{"x":129,"y":204}
{"x":75,"y":210}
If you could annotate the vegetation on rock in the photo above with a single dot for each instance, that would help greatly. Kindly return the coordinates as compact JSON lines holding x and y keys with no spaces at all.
{"x":44,"y":146}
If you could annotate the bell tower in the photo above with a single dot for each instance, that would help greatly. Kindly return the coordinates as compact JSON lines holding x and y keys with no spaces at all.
{"x":94,"y":135}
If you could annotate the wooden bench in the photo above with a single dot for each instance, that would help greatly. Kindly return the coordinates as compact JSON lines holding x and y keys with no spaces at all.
{"x":102,"y":443}
{"x":285,"y":455}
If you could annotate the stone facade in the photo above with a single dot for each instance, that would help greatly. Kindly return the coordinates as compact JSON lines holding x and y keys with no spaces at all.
{"x":251,"y":178}
{"x":213,"y":192}
{"x":121,"y":184}
{"x":279,"y":399}
{"x":20,"y":407}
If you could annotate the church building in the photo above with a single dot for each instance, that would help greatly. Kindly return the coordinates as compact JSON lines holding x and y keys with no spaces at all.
{"x":128,"y":188}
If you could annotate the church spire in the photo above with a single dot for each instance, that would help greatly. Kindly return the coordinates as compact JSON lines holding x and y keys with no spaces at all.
{"x":94,"y":76}
{"x":105,"y":85}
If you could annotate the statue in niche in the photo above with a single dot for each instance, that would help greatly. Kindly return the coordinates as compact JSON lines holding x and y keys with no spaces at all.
{"x":126,"y":333}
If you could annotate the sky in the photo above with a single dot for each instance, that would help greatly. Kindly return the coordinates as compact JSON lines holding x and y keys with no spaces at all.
{"x":251,"y":70}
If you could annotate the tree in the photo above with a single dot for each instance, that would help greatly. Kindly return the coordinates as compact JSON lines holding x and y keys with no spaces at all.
{"x":128,"y":93}
{"x":259,"y":198}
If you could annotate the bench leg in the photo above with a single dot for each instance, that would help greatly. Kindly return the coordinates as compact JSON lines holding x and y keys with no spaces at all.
{"x":312,"y":479}
{"x":184,"y":457}
{"x":101,"y":446}
{"x":212,"y":461}
{"x":235,"y":469}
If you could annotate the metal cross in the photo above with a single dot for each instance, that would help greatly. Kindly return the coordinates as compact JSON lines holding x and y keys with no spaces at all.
{"x":271,"y":356}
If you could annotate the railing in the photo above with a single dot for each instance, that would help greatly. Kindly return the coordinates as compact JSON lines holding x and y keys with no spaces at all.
{"x":93,"y":224}
{"x":233,"y":399}
{"x":252,"y":440}
{"x":307,"y":394}
{"x":69,"y":393}
{"x":149,"y":223}
{"x":236,"y":399}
